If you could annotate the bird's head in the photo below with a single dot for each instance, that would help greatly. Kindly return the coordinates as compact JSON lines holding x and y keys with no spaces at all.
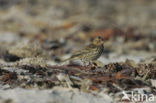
{"x":98,"y":41}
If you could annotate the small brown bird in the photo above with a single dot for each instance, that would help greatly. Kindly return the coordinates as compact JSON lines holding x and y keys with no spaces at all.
{"x":90,"y":53}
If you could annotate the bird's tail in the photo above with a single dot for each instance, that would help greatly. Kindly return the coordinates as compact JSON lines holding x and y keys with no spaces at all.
{"x":65,"y":60}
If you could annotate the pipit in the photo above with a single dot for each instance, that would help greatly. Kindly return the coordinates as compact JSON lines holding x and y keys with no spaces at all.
{"x":90,"y":53}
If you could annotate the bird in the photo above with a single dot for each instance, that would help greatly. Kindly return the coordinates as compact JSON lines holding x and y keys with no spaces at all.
{"x":89,"y":53}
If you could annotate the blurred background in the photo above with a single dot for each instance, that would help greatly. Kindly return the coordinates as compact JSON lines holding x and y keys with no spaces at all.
{"x":61,"y":26}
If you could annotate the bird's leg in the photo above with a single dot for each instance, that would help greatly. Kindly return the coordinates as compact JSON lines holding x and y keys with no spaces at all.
{"x":91,"y":63}
{"x":84,"y":64}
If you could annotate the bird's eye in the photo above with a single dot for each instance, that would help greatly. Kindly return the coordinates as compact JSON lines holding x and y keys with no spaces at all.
{"x":99,"y":37}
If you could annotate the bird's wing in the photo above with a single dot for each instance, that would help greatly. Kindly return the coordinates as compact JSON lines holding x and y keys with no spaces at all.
{"x":87,"y":49}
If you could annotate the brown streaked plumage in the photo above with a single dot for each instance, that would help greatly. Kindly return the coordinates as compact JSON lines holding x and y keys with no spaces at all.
{"x":89,"y":53}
